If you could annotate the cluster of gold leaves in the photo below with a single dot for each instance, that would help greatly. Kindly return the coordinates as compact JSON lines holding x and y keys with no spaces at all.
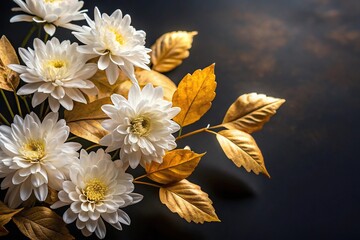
{"x":194,"y":95}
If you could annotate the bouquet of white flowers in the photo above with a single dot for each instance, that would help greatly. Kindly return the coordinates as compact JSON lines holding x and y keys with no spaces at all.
{"x":113,"y":97}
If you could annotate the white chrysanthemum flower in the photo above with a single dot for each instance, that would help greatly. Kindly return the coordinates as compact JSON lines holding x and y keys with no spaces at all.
{"x":33,"y":156}
{"x":141,"y":126}
{"x":57,"y":72}
{"x":51,"y":13}
{"x":98,"y":187}
{"x":117,"y":43}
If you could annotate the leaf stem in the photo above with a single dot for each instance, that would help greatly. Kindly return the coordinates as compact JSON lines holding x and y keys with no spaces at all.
{"x":197,"y":131}
{"x":26,"y":39}
{"x":140,"y":177}
{"x":209,"y":131}
{"x":7,"y":103}
{"x":4,"y":119}
{"x":18,"y":103}
{"x":146,"y":183}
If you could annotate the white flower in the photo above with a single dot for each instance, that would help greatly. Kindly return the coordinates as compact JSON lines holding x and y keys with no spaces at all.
{"x":141,"y":126}
{"x":116,"y":42}
{"x":51,"y":13}
{"x":33,"y":156}
{"x":55,"y":71}
{"x":98,"y":188}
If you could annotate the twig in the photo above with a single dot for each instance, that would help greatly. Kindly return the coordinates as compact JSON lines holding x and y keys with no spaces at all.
{"x":146,"y":183}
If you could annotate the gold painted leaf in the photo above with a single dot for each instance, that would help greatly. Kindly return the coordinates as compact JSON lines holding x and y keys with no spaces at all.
{"x":52,"y":196}
{"x":42,"y":223}
{"x":144,"y":77}
{"x":123,"y":84}
{"x":90,"y":130}
{"x":85,"y":120}
{"x":241,"y":148}
{"x":187,"y":200}
{"x":9,"y":80}
{"x":194,"y":95}
{"x":6,"y":214}
{"x":103,"y":85}
{"x":176,"y":166}
{"x":170,"y":50}
{"x":251,"y":111}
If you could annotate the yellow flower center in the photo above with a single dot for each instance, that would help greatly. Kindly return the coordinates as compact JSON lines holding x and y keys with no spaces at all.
{"x":95,"y":190}
{"x":52,"y":1}
{"x":118,"y":37}
{"x":33,"y":150}
{"x":140,"y":126}
{"x":56,"y":63}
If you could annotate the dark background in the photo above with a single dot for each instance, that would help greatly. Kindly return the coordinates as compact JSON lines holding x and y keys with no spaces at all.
{"x":304,"y":51}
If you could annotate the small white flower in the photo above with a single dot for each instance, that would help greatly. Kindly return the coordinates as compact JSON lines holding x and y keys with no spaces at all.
{"x":116,"y":42}
{"x":55,"y":71}
{"x":141,"y":126}
{"x":33,"y":156}
{"x":98,"y":187}
{"x":51,"y":13}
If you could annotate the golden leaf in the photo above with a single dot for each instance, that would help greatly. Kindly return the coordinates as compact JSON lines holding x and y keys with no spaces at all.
{"x":194,"y":95}
{"x":251,"y":111}
{"x":9,"y":80}
{"x":42,"y":223}
{"x":177,"y":165}
{"x":187,"y":200}
{"x":242,"y":149}
{"x":144,"y":77}
{"x":6,"y":214}
{"x":52,"y":196}
{"x":90,"y":130}
{"x":85,"y":120}
{"x":123,"y":84}
{"x":170,"y":50}
{"x":105,"y":88}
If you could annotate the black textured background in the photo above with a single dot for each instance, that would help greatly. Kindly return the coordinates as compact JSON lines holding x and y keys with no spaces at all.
{"x":304,"y":51}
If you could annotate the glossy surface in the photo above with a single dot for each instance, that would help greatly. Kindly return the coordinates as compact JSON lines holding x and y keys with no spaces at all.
{"x":307,"y":52}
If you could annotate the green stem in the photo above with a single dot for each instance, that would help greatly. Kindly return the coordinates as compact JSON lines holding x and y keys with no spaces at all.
{"x":18,"y":103}
{"x":46,"y":37}
{"x":146,"y":183}
{"x":26,"y":39}
{"x":39,"y":31}
{"x":7,"y":103}
{"x":4,"y":119}
{"x":72,"y":138}
{"x":180,"y":131}
{"x":26,"y":103}
{"x":116,"y":154}
{"x":92,"y":146}
{"x":42,"y":106}
{"x":47,"y":110}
